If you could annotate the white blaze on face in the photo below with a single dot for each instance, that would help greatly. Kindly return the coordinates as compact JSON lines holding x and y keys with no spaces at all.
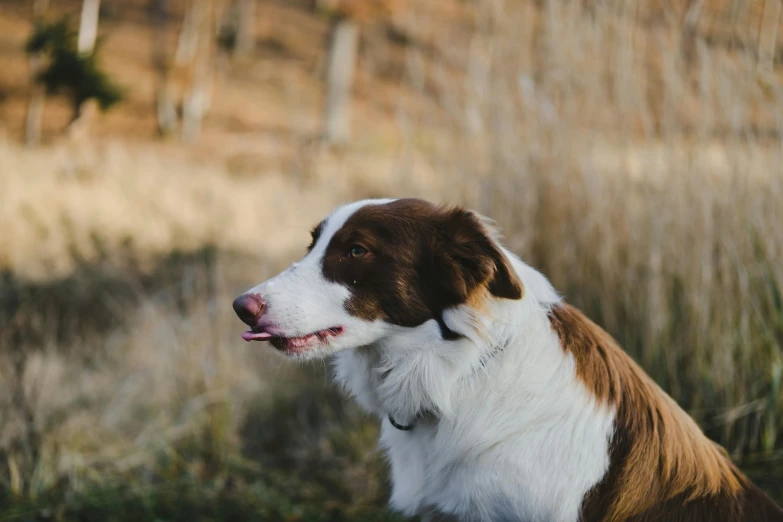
{"x":301,"y":301}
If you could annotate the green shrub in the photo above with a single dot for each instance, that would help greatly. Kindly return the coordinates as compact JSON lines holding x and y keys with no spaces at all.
{"x":76,"y":74}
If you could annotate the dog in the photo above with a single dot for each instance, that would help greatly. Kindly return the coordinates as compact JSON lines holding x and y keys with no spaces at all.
{"x":497,"y":400}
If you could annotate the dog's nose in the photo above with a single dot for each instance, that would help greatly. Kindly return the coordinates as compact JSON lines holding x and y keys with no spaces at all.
{"x":249,"y":307}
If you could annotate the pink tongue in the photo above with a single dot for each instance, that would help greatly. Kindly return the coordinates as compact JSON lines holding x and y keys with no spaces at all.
{"x":253,"y":336}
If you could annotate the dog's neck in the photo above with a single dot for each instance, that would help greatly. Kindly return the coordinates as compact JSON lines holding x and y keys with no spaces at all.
{"x":416,"y":373}
{"x":411,"y":374}
{"x":419,"y":372}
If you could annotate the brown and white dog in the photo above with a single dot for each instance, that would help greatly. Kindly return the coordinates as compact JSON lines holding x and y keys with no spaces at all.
{"x":498,"y":401}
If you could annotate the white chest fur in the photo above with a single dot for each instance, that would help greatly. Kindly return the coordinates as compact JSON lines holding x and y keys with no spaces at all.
{"x":518,"y":437}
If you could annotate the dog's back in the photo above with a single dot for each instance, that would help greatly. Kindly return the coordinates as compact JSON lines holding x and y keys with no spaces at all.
{"x":662,"y":467}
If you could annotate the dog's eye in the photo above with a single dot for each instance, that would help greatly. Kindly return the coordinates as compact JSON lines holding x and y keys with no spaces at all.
{"x":357,"y":251}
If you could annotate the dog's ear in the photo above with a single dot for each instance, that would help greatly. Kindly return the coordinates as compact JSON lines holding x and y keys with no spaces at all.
{"x":467,"y":257}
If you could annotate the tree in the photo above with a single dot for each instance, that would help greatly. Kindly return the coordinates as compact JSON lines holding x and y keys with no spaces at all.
{"x":35,"y":105}
{"x":164,"y":101}
{"x":341,"y":62}
{"x":63,"y":61}
{"x":343,"y":44}
{"x":195,"y":59}
{"x":88,"y":26}
{"x":188,"y":35}
{"x":768,"y":34}
{"x":237,"y":30}
{"x":246,"y":27}
{"x":69,"y":71}
{"x":199,"y":94}
{"x":690,"y":28}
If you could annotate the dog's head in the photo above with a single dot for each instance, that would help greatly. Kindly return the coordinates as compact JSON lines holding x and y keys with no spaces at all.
{"x":375,"y":266}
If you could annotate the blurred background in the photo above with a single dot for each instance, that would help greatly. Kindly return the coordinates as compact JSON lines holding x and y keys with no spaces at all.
{"x":157,"y":157}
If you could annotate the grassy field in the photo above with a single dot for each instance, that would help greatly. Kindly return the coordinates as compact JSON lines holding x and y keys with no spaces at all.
{"x":635,"y":159}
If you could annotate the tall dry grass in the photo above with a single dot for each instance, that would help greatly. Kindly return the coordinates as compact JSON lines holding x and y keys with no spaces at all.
{"x":123,"y":381}
{"x":166,"y":413}
{"x":646,"y":183}
{"x":638,"y":166}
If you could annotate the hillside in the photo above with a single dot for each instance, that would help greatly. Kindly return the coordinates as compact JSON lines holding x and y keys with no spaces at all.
{"x":443,"y":88}
{"x":407,"y":64}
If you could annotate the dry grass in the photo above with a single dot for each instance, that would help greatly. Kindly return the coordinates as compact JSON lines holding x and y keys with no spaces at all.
{"x":642,"y":170}
{"x":73,"y":203}
{"x":656,"y":211}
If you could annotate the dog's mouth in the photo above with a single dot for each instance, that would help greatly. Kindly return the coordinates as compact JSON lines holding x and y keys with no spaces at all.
{"x":292,"y":344}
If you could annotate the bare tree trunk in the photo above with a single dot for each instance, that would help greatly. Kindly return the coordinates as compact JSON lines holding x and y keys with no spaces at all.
{"x":88,"y":26}
{"x":690,"y":28}
{"x":79,"y":129}
{"x":198,"y":98}
{"x":343,"y":46}
{"x":88,"y":33}
{"x":35,"y":106}
{"x":246,"y":27}
{"x":768,"y":35}
{"x":189,"y":34}
{"x":164,"y":100}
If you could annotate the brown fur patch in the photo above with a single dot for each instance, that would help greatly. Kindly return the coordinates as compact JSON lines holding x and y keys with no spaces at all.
{"x":662,"y":465}
{"x":420,"y":260}
{"x":479,"y":299}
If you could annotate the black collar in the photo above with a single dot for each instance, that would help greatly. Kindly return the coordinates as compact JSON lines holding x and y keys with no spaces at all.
{"x":401,"y":427}
{"x":448,"y":335}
